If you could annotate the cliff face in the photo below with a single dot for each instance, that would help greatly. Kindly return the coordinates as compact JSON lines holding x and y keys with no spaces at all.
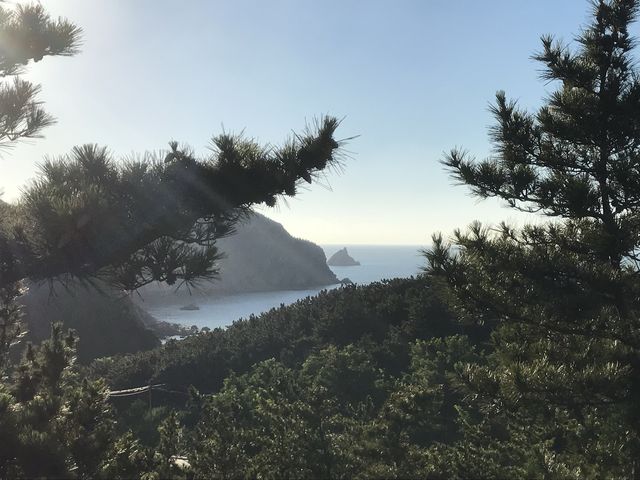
{"x":260,"y":256}
{"x":263,"y":256}
{"x":342,"y":259}
{"x":106,"y":322}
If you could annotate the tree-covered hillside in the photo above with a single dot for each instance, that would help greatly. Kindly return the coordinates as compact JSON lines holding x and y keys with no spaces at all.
{"x":389,"y":315}
{"x":359,"y":381}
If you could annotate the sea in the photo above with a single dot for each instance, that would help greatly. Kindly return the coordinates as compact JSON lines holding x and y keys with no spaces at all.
{"x":376,"y":263}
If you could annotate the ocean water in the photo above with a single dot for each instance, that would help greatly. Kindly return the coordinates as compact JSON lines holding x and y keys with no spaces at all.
{"x":377,"y":263}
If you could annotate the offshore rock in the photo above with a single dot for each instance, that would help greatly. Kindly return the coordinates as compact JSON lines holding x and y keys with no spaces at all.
{"x":342,"y":259}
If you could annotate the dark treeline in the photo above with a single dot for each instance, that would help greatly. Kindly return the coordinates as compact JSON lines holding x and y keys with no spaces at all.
{"x":388,"y":315}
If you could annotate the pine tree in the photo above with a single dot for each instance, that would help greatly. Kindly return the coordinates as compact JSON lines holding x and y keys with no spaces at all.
{"x":141,"y":220}
{"x":560,"y":394}
{"x":28,"y":33}
{"x":90,"y":217}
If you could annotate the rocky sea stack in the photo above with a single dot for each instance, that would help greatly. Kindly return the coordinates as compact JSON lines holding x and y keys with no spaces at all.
{"x":342,"y":259}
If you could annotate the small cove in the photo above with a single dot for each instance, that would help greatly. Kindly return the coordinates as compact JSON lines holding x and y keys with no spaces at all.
{"x":377,"y":262}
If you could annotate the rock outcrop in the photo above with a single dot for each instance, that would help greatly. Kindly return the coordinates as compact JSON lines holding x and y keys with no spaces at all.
{"x":260,"y":257}
{"x":342,"y":259}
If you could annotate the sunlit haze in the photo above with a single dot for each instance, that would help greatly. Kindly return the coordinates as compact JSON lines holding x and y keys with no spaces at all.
{"x":411,"y":79}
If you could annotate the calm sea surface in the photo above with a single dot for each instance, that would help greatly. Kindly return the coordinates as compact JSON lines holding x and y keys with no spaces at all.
{"x":377,"y":263}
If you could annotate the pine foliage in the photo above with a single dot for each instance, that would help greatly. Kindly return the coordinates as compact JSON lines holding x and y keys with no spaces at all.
{"x":559,"y":393}
{"x":28,"y":33}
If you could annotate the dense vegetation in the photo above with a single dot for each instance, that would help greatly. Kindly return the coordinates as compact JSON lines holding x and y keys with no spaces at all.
{"x":516,"y":354}
{"x":312,"y":389}
{"x":389,"y":315}
{"x":560,"y":394}
{"x":88,"y":216}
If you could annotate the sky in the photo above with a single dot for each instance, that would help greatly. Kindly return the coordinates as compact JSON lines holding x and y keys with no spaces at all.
{"x":411,"y":79}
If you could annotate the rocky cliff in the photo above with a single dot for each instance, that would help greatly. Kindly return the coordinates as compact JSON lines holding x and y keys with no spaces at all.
{"x":107,"y":322}
{"x":261,"y":256}
{"x":342,"y":259}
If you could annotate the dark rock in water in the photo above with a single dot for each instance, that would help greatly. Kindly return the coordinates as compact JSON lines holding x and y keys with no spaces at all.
{"x":346,"y":281}
{"x":191,"y":306}
{"x":342,"y":259}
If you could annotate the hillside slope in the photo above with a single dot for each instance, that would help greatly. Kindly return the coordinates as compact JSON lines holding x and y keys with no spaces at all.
{"x":107,"y":323}
{"x":261,"y":256}
{"x":390,"y":314}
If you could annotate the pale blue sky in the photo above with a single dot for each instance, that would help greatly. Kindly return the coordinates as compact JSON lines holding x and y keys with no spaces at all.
{"x":412,"y":78}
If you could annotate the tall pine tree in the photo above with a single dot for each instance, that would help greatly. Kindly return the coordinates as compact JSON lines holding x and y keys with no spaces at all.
{"x":127,"y":223}
{"x":560,"y":393}
{"x":27,"y":33}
